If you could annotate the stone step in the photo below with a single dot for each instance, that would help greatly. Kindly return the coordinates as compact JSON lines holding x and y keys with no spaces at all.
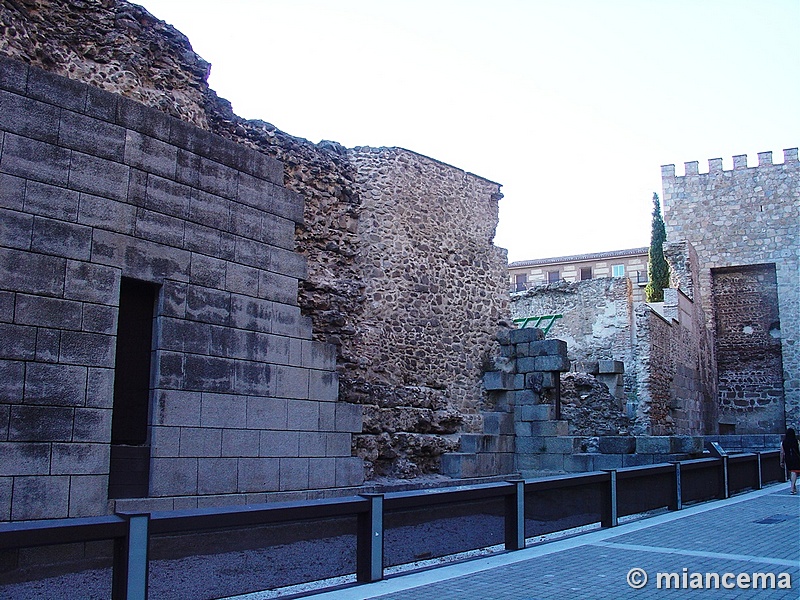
{"x":483,"y":442}
{"x":463,"y":464}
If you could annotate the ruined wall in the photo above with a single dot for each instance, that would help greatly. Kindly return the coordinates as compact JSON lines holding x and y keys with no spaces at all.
{"x":746,"y":216}
{"x":597,"y":321}
{"x":123,"y":49}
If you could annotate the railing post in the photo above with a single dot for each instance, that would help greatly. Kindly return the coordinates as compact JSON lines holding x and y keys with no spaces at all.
{"x":608,"y":518}
{"x":130,"y":573}
{"x":515,"y":516}
{"x":725,"y":489}
{"x":760,"y":482}
{"x":369,"y":554}
{"x":677,"y":500}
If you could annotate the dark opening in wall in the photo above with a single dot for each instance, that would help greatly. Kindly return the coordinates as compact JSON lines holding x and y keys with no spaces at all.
{"x":130,"y":449}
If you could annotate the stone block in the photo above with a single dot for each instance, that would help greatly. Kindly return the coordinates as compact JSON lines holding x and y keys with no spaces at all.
{"x":181,"y":408}
{"x":35,"y":160}
{"x":560,"y":445}
{"x":173,"y":476}
{"x":551,"y":462}
{"x":92,"y":425}
{"x":586,"y":366}
{"x":312,"y":443}
{"x":293,"y":474}
{"x":61,"y":239}
{"x":458,"y":465}
{"x":150,"y":154}
{"x":218,"y":179}
{"x":48,"y":312}
{"x":258,"y":474}
{"x":302,"y":415}
{"x":254,"y":378}
{"x":61,"y":385}
{"x":526,"y":365}
{"x":579,"y":463}
{"x":550,"y":380}
{"x":24,"y":459}
{"x":318,"y":355}
{"x":173,"y":299}
{"x":210,"y":210}
{"x":527,"y":444}
{"x":100,"y":388}
{"x":165,"y":441}
{"x":240,"y":442}
{"x":40,"y":497}
{"x":611,"y":366}
{"x":91,"y":283}
{"x":166,"y":196}
{"x":686,"y":444}
{"x":13,"y":75}
{"x":522,"y":429}
{"x":291,"y":382}
{"x":549,"y":428}
{"x":91,"y":136}
{"x":90,"y":349}
{"x":321,"y":473}
{"x":617,"y":444}
{"x":647,"y":444}
{"x":338,"y":444}
{"x":160,"y":228}
{"x":323,"y":385}
{"x":277,"y":231}
{"x":270,"y":198}
{"x":636,"y":460}
{"x":101,"y":104}
{"x":6,"y":483}
{"x":245,"y":221}
{"x":267,"y":413}
{"x":88,"y":495}
{"x":19,"y":342}
{"x":349,"y":471}
{"x":279,"y":444}
{"x":217,"y":475}
{"x":99,"y":176}
{"x":80,"y":459}
{"x":251,"y":313}
{"x":55,"y":89}
{"x":16,"y":229}
{"x":105,"y":213}
{"x":527,"y":462}
{"x":207,"y":271}
{"x":223,"y":410}
{"x":551,"y":363}
{"x":549,"y":348}
{"x":12,"y":191}
{"x":200,"y":442}
{"x":288,"y":263}
{"x":522,"y":336}
{"x":498,"y":380}
{"x":327,"y":416}
{"x":537,"y":412}
{"x":498,"y":423}
{"x":48,"y":344}
{"x":31,"y":273}
{"x":12,"y":373}
{"x":242,"y":279}
{"x":136,"y":116}
{"x":349,"y":417}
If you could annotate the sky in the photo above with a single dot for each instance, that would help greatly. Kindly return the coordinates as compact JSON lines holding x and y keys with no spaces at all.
{"x":571,"y":105}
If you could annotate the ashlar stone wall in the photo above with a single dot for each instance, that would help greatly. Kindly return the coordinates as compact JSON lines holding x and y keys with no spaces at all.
{"x":94,"y":188}
{"x":746,"y":216}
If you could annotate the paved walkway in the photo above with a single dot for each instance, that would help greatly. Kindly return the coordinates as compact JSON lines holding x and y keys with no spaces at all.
{"x":757,"y":532}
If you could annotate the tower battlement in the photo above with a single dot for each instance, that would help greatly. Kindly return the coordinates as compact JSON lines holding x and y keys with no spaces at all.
{"x":691,"y":168}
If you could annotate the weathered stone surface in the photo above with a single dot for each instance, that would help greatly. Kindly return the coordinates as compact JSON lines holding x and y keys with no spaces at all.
{"x":589,"y":408}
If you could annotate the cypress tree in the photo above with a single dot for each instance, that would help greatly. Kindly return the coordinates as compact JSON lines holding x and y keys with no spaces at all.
{"x":657,"y":267}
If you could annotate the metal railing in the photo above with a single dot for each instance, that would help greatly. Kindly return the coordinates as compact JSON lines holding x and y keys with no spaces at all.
{"x":517,"y":508}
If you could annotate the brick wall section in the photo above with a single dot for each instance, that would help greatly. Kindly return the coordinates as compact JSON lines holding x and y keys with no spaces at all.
{"x":435,"y":291}
{"x":94,"y":187}
{"x":745,"y":216}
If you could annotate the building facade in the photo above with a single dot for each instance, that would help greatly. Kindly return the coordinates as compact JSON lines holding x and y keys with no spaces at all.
{"x":631,"y":264}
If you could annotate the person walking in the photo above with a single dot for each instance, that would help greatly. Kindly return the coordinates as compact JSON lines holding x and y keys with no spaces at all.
{"x":790,"y":457}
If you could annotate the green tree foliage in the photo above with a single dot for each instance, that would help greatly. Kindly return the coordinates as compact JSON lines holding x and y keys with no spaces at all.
{"x":657,"y":267}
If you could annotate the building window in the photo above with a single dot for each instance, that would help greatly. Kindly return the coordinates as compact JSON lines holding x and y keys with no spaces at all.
{"x":553,"y":276}
{"x":586,"y":273}
{"x":618,"y":270}
{"x":521,"y":282}
{"x":130,"y":451}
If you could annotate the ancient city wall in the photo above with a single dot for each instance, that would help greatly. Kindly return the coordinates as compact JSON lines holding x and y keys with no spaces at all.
{"x":435,"y":290}
{"x":121,"y":48}
{"x":733,"y":219}
{"x":99,"y":194}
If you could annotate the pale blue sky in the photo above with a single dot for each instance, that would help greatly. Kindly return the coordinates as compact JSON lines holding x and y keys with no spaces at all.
{"x":572,"y":105}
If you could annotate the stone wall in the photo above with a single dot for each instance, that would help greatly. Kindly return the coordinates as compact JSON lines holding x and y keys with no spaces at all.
{"x":121,"y":48}
{"x":745,"y":216}
{"x":597,"y":319}
{"x":97,"y":190}
{"x":435,"y":291}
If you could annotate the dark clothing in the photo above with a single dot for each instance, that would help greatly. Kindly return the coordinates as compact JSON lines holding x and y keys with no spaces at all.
{"x":792,"y":455}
